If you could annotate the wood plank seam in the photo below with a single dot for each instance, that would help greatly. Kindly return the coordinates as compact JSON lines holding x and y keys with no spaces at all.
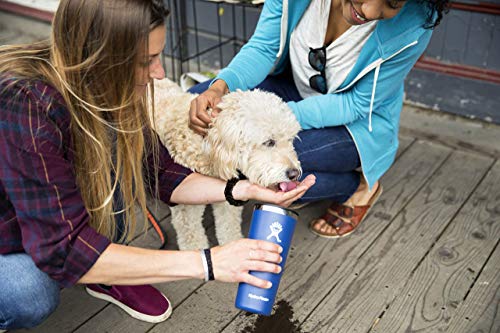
{"x":481,"y":270}
{"x":453,"y":144}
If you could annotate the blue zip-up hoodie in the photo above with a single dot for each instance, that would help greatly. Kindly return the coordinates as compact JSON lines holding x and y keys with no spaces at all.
{"x":369,"y":101}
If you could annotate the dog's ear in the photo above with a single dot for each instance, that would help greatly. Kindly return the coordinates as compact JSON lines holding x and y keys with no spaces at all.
{"x":221,"y":145}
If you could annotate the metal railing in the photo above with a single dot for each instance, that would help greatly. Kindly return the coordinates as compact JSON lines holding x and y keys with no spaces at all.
{"x":204,"y":35}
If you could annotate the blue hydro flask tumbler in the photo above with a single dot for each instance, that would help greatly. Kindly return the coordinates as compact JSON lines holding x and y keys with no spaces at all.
{"x":275,"y":224}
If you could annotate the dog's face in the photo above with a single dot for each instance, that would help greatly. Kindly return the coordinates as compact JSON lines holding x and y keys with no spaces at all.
{"x":254,"y":133}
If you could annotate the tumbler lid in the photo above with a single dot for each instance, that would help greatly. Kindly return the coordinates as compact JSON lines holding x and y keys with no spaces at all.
{"x":276,"y":209}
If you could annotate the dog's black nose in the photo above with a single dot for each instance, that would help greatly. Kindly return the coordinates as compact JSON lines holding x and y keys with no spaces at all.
{"x":292,"y":174}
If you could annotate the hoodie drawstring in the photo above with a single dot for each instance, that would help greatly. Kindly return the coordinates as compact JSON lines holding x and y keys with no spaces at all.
{"x":375,"y":78}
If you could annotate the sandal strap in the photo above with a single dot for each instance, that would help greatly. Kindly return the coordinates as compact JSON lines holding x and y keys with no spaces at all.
{"x":332,"y":220}
{"x":340,"y":226}
{"x":348,"y":211}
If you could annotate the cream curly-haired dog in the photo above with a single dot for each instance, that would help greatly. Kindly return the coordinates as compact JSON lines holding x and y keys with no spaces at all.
{"x":254,"y":134}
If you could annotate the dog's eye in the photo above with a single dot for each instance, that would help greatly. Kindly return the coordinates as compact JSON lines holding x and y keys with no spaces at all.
{"x":270,"y":143}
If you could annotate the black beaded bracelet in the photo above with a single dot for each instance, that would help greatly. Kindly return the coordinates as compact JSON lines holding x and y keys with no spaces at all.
{"x":209,"y":264}
{"x":228,"y":193}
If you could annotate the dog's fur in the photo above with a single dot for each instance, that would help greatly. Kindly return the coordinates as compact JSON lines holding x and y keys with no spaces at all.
{"x":241,"y":138}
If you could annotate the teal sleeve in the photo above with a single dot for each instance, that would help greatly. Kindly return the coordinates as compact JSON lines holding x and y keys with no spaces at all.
{"x":256,"y":59}
{"x":353,"y":104}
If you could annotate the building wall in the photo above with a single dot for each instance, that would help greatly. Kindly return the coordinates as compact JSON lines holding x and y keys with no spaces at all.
{"x":468,"y":38}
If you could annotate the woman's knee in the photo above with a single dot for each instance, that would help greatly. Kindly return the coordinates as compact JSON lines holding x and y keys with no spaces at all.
{"x":42,"y":306}
{"x":200,"y":87}
{"x":329,"y":149}
{"x":27,"y":316}
{"x":28,"y":296}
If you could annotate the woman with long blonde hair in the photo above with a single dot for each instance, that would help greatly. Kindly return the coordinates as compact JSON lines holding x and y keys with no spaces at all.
{"x":78,"y":155}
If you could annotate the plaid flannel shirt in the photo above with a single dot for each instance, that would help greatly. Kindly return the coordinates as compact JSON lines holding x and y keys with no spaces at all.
{"x":41,"y":209}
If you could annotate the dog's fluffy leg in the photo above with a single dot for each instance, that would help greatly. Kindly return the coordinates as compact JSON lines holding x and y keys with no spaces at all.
{"x":187,"y":222}
{"x":227,"y":220}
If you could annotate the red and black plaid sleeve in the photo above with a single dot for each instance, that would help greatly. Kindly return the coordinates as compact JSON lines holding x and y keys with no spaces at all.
{"x":169,"y":173}
{"x":41,"y":210}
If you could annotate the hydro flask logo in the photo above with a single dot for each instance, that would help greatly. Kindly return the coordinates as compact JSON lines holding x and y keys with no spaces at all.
{"x":276,"y":228}
{"x":258,"y":297}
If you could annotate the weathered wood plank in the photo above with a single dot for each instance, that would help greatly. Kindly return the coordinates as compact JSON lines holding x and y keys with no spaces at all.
{"x":159,"y":209}
{"x":75,"y":307}
{"x":358,"y":300}
{"x":442,"y":281}
{"x":451,"y":131}
{"x":303,"y":286}
{"x":481,"y":310}
{"x":404,"y":143}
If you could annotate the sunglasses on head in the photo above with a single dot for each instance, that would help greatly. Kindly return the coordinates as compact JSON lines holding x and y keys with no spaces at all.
{"x":317,"y":60}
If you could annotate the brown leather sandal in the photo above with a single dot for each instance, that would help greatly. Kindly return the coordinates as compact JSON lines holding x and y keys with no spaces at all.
{"x":344,"y":219}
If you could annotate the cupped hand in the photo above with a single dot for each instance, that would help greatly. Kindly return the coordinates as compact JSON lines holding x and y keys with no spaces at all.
{"x":233,"y":261}
{"x":244,"y":190}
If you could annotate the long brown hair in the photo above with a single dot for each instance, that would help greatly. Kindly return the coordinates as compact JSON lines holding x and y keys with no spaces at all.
{"x":91,"y":59}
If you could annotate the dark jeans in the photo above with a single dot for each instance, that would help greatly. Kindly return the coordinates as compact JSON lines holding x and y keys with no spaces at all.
{"x":328,"y":153}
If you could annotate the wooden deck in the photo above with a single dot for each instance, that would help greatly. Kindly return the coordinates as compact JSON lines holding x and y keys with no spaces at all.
{"x":425,"y":260}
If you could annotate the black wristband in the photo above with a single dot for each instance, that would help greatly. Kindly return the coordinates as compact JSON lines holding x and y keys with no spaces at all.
{"x":228,"y":193}
{"x":209,"y":264}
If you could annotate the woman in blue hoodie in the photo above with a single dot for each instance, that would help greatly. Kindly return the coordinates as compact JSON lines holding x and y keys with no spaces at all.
{"x":340,"y":65}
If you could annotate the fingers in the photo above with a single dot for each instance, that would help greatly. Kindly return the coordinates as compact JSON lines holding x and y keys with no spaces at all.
{"x":308,"y":181}
{"x":265,"y":256}
{"x":202,"y":114}
{"x":278,"y":197}
{"x":199,"y":130}
{"x":263,"y":245}
{"x":255,"y":281}
{"x":232,"y":262}
{"x":301,"y":189}
{"x":195,"y":123}
{"x":199,"y":119}
{"x":262,"y":266}
{"x":216,"y":110}
{"x":195,"y":120}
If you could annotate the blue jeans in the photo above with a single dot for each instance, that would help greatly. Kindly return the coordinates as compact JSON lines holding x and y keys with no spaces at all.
{"x":27,"y":294}
{"x":328,"y":153}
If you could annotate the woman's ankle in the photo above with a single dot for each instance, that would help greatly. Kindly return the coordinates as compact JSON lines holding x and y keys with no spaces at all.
{"x":362,"y":195}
